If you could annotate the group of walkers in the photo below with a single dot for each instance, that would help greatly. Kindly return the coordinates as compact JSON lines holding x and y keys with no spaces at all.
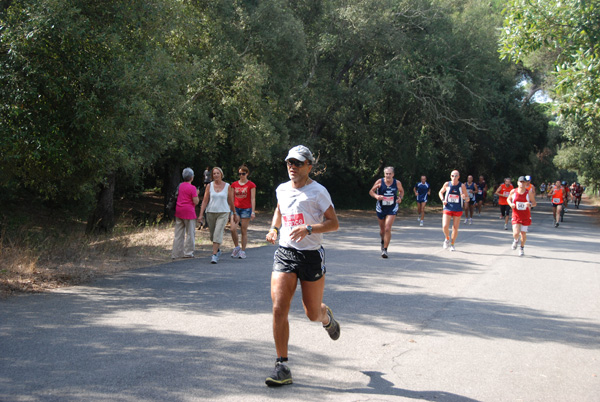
{"x":305,"y":211}
{"x":221,"y":203}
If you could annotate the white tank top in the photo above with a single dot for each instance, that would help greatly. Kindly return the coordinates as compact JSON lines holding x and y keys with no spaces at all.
{"x":218,"y":201}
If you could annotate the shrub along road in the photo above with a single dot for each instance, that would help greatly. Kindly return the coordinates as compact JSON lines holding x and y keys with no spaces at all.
{"x":478,"y":324}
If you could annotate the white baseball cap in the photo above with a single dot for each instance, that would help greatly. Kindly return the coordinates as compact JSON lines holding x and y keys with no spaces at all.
{"x":301,"y":153}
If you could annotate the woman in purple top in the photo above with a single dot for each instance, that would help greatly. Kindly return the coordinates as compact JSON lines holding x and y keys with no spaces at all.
{"x":185,"y":217}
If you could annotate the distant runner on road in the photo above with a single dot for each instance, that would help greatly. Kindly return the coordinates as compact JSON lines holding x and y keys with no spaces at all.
{"x":389,"y":193}
{"x":481,"y":193}
{"x":521,"y":201}
{"x":452,"y":194}
{"x":557,"y":198}
{"x":422,"y":192}
{"x":470,"y":206}
{"x":503,"y":192}
{"x":304,"y":212}
{"x":529,"y":186}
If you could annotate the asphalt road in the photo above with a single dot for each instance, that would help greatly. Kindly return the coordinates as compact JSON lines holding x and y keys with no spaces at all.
{"x":478,"y":324}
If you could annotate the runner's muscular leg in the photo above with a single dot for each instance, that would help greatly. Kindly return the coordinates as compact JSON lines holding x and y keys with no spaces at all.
{"x":389,"y":222}
{"x":312,"y":300}
{"x":283,"y":286}
{"x":446,"y":225}
{"x":381,"y":228}
{"x":516,"y":232}
{"x":455,"y":225}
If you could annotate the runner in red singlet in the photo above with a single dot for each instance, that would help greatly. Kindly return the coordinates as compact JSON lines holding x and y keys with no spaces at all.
{"x":520,"y":201}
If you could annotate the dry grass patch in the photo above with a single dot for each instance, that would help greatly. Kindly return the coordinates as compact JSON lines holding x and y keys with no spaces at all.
{"x":55,"y":254}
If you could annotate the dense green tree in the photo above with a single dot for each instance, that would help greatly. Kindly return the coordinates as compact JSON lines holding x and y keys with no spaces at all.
{"x":89,"y":91}
{"x":561,"y":39}
{"x":97,"y":95}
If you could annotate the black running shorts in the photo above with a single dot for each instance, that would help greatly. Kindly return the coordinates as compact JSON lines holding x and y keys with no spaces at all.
{"x":308,"y":265}
{"x":505,"y":210}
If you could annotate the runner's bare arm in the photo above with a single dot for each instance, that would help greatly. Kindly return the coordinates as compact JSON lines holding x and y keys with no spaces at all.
{"x":532,"y":201}
{"x":510,"y":198}
{"x":400,"y":191}
{"x":442,"y":192}
{"x":330,"y":224}
{"x":465,"y":194}
{"x":373,"y":191}
{"x":275,"y":223}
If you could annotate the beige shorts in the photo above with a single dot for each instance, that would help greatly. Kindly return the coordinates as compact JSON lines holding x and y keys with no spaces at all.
{"x":216,"y":224}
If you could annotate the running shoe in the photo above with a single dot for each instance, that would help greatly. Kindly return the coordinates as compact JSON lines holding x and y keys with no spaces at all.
{"x":466,"y":220}
{"x":556,"y":225}
{"x":452,"y":247}
{"x":333,"y":328}
{"x":242,"y":254}
{"x":470,"y":221}
{"x":515,"y":244}
{"x":521,"y":252}
{"x":236,"y":252}
{"x":505,"y":226}
{"x":214,"y":259}
{"x":446,"y":244}
{"x":421,"y":223}
{"x":281,"y":375}
{"x":384,"y":253}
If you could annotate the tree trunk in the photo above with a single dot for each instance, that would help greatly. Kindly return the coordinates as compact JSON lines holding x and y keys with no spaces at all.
{"x":102,"y":219}
{"x":170,"y":183}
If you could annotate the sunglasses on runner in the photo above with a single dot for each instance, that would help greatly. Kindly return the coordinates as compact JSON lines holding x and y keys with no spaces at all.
{"x":242,"y":173}
{"x":294,"y":162}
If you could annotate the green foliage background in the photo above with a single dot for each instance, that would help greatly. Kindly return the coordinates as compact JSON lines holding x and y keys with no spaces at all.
{"x":94,"y":93}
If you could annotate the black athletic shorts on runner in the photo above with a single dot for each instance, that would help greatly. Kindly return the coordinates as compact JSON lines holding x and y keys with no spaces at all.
{"x":308,"y":265}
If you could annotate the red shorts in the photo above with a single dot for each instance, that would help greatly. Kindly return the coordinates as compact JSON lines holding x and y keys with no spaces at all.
{"x":453,"y":213}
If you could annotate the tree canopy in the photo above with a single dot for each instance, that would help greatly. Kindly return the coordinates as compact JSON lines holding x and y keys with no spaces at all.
{"x":565,"y":36}
{"x":133,"y":91}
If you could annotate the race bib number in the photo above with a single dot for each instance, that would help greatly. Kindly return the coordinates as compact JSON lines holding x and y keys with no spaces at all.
{"x":556,"y":201}
{"x":506,"y":194}
{"x":387,"y":201}
{"x":293,"y":220}
{"x":521,"y":206}
{"x":480,"y":192}
{"x":453,"y":198}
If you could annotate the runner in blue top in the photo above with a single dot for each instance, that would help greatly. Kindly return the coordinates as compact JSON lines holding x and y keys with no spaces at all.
{"x":480,"y":196}
{"x":422,"y":192}
{"x":452,"y":194}
{"x":388,"y":192}
{"x":470,"y":206}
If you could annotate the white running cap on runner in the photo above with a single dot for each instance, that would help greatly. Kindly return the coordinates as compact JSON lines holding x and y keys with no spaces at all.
{"x":301,"y":153}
